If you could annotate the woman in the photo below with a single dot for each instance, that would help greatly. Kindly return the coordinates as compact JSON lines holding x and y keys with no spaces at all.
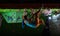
{"x":47,"y":12}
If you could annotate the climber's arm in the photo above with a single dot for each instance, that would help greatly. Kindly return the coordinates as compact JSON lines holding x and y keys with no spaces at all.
{"x":38,"y":23}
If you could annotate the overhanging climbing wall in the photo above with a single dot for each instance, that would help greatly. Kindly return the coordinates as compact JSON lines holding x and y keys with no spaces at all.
{"x":14,"y":15}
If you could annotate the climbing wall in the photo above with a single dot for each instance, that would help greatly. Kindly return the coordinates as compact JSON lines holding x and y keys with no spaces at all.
{"x":10,"y":17}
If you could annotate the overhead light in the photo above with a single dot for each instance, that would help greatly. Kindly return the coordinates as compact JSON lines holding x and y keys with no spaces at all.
{"x":49,"y":17}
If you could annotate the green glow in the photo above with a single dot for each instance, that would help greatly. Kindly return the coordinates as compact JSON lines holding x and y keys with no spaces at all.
{"x":15,"y":10}
{"x":15,"y":13}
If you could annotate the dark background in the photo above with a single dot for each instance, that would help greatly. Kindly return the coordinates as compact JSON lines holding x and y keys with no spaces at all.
{"x":29,"y":1}
{"x":29,"y":5}
{"x":16,"y":27}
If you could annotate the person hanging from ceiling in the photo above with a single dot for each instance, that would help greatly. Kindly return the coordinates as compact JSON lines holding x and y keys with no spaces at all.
{"x":38,"y":21}
{"x":47,"y":12}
